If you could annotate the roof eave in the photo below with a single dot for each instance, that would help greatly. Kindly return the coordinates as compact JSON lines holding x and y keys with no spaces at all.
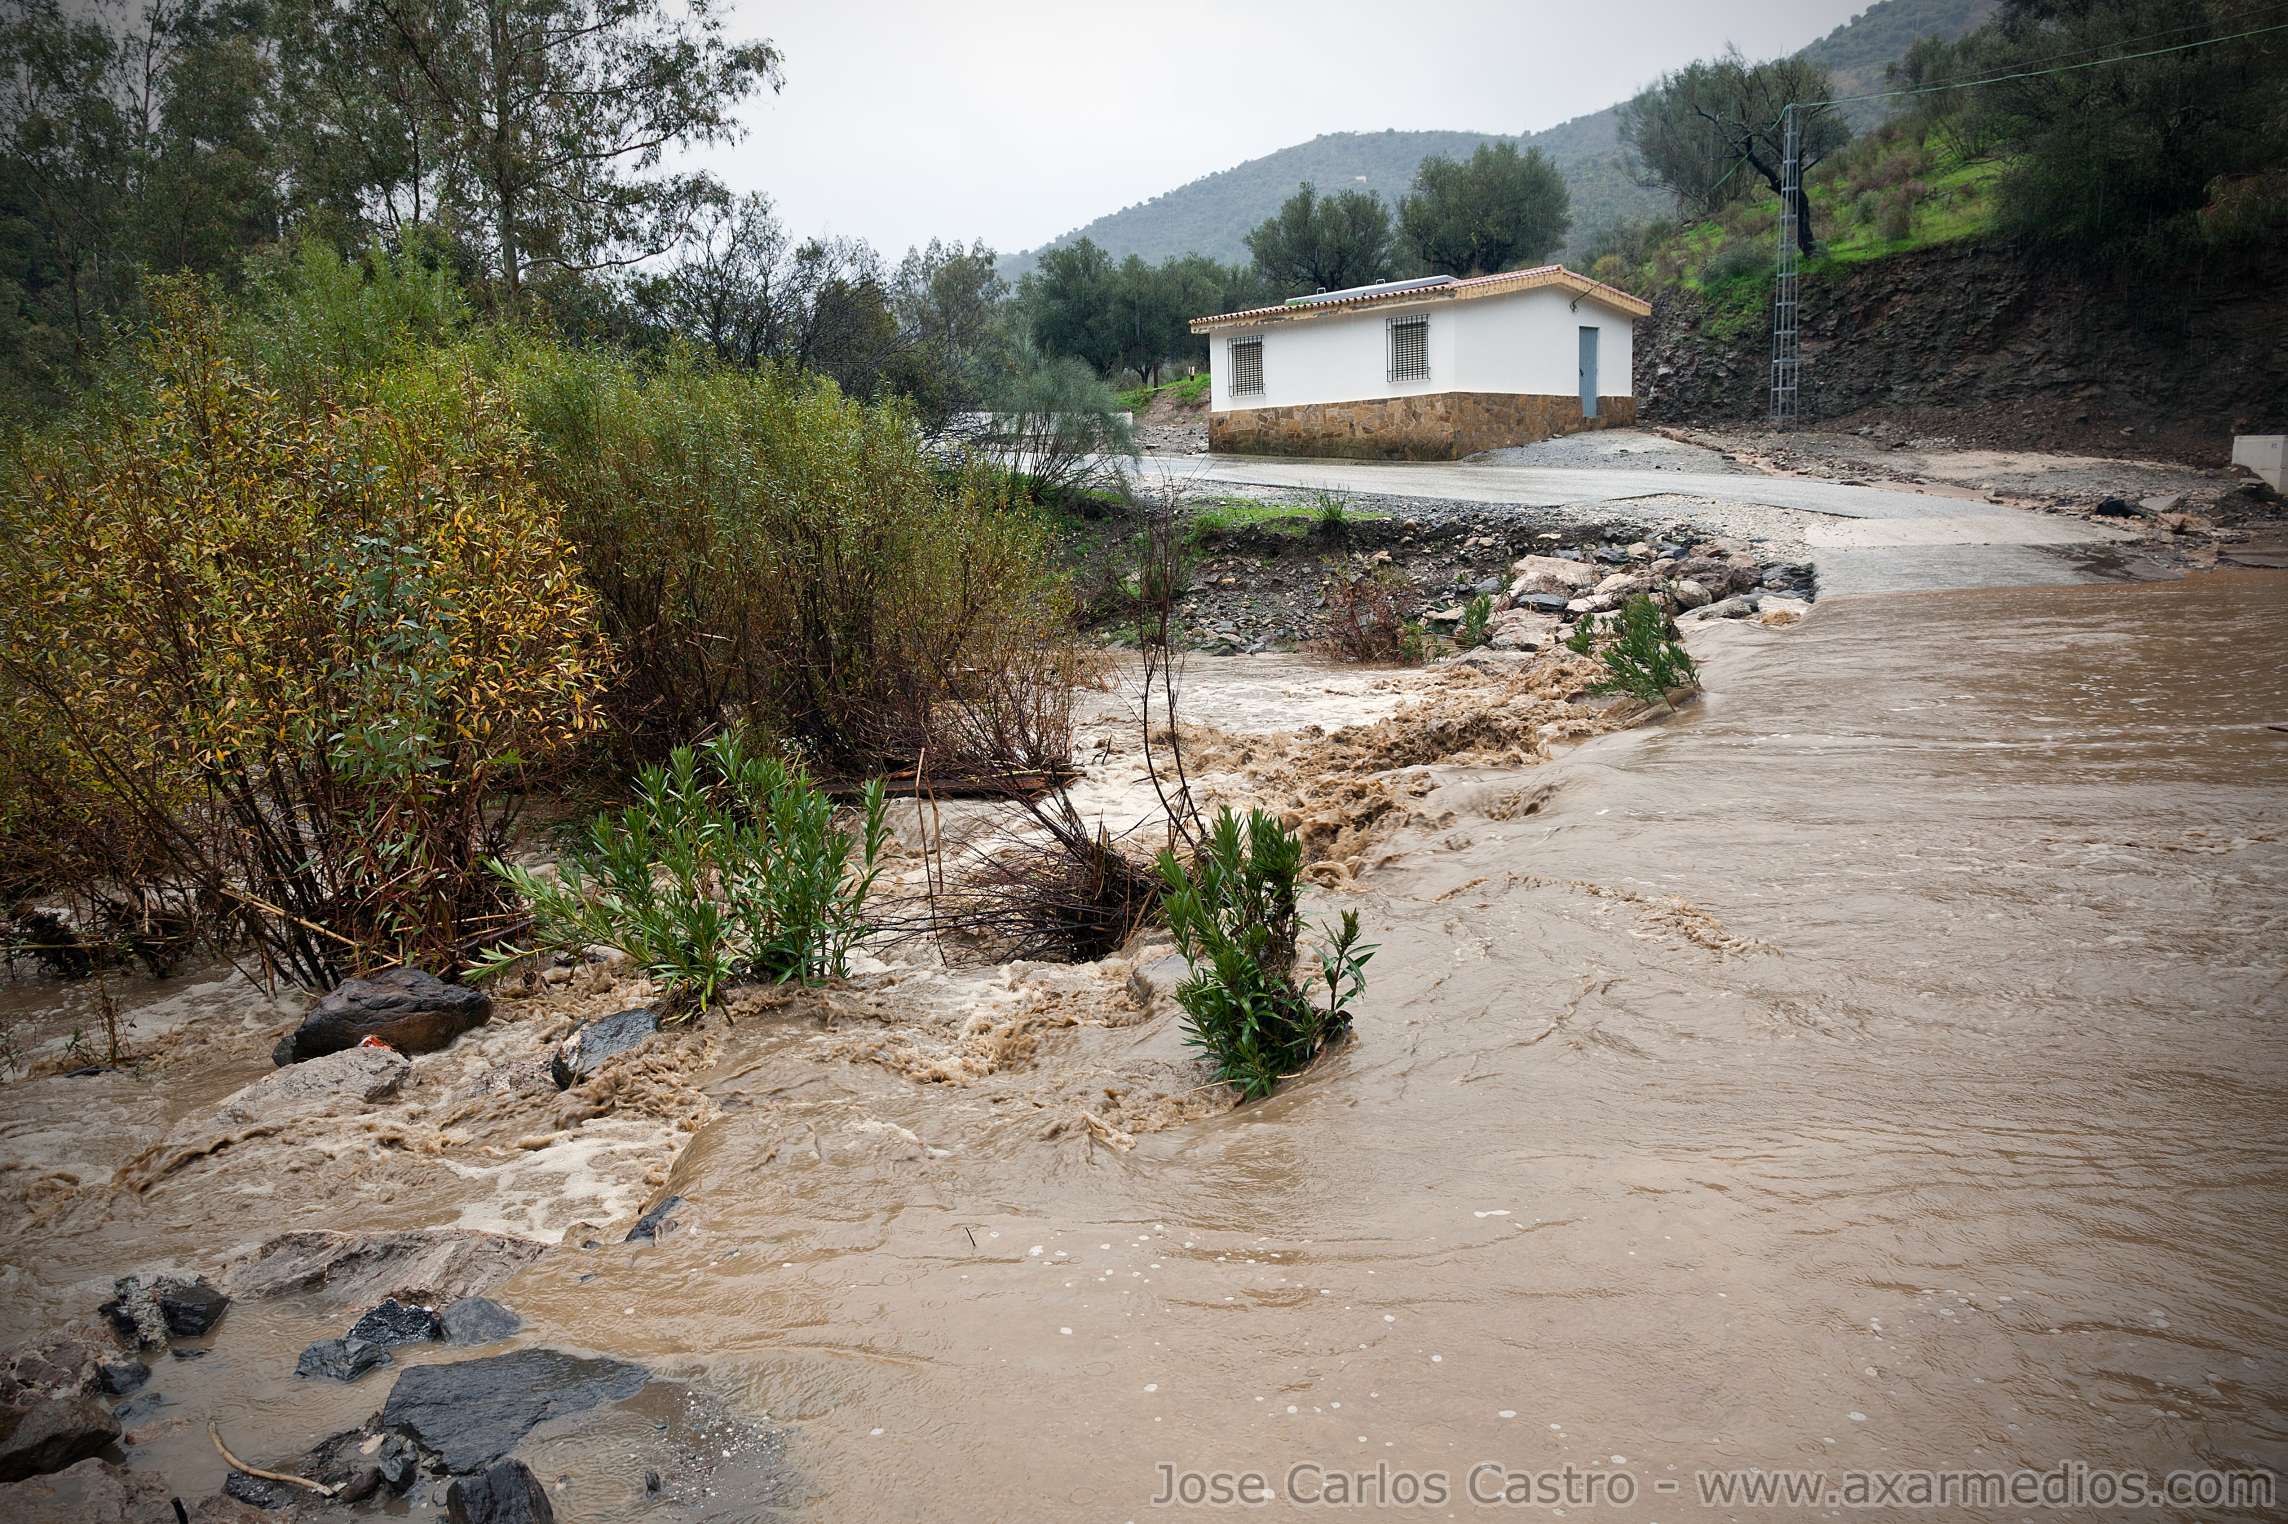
{"x":1557,"y":276}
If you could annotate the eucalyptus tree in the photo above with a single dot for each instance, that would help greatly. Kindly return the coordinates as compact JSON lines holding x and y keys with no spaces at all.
{"x":555,"y":118}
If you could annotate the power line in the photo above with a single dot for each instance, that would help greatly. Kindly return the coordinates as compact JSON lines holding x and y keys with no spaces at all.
{"x":1786,"y":364}
{"x":2093,"y":63}
{"x":1996,"y":79}
{"x":2120,"y":42}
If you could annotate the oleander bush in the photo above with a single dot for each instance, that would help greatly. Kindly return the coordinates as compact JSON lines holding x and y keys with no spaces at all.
{"x":1641,"y":649}
{"x":729,"y":864}
{"x":1232,"y":907}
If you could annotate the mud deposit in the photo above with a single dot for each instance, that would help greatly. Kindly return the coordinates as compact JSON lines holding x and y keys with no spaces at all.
{"x":1877,"y":1065}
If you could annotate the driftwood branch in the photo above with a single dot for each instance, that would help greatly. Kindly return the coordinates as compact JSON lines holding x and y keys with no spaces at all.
{"x":235,"y":1464}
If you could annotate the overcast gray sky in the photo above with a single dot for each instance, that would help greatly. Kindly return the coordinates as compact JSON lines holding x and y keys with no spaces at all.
{"x":1018,"y":120}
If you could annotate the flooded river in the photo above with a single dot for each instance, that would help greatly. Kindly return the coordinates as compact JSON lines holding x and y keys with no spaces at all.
{"x":1878,"y":1066}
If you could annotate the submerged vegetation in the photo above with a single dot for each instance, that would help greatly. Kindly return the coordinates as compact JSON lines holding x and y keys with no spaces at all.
{"x":302,"y":614}
{"x":728,"y":865}
{"x":287,"y":667}
{"x":1232,"y":908}
{"x":1365,"y":620}
{"x":1641,"y":649}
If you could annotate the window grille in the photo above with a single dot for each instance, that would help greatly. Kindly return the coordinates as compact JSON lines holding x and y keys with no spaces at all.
{"x":1409,"y":349}
{"x":1247,"y":367}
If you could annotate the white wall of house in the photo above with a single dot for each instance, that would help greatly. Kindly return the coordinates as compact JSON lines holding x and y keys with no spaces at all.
{"x":1330,"y":358}
{"x":1524,"y":342}
{"x":1530,"y":342}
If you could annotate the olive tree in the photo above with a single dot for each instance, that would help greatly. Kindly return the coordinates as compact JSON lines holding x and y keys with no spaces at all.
{"x":1315,"y":243}
{"x":1702,"y":131}
{"x":1496,"y":210}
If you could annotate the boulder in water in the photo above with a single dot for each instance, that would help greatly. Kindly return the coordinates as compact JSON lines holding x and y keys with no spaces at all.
{"x":43,"y":1434}
{"x":341,"y":1359}
{"x":506,"y":1493}
{"x":580,"y":1055}
{"x":473,"y":1412}
{"x":148,"y":1310}
{"x":395,"y":1322}
{"x":478,"y":1320}
{"x":412,"y":1011}
{"x":333,"y":1082}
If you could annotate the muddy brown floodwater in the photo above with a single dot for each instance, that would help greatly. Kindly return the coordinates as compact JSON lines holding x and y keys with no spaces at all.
{"x":1878,"y":1066}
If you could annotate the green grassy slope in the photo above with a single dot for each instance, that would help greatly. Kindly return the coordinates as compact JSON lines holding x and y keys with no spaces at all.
{"x":1213,"y":214}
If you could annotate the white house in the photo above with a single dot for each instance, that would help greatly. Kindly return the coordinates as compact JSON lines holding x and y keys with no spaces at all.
{"x":1429,"y":369}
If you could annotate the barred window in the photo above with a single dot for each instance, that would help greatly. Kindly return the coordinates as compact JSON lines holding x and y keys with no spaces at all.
{"x":1409,"y":349}
{"x":1247,"y":367}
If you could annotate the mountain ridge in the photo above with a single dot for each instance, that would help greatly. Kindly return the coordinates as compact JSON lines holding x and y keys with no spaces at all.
{"x":1212,"y":214}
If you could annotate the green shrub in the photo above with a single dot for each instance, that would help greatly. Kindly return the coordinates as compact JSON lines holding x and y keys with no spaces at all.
{"x":1331,"y":517}
{"x":1362,"y":622}
{"x":1641,"y":650}
{"x":288,"y":667}
{"x":1233,"y":911}
{"x":770,"y":551}
{"x":1477,"y":615}
{"x":728,"y":866}
{"x":1736,"y":261}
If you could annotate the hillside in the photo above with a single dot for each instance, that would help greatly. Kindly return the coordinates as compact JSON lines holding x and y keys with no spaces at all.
{"x":1212,"y":214}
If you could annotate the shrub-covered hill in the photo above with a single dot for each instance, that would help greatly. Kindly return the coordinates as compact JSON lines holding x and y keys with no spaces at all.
{"x":1213,"y":214}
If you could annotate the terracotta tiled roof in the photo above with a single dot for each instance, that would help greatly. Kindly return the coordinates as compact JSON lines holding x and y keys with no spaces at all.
{"x":1453,"y":291}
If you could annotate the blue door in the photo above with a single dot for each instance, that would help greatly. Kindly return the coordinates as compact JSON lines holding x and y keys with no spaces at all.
{"x":1588,"y":372}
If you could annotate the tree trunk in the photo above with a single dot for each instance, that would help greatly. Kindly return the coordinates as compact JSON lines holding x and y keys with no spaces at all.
{"x":504,"y":174}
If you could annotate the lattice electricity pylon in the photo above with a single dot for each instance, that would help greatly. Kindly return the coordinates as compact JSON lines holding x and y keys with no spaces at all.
{"x":1787,"y":362}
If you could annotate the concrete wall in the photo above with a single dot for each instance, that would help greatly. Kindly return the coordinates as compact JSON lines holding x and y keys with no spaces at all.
{"x":1526,"y":342}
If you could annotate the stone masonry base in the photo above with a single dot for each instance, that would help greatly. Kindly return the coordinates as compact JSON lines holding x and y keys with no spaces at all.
{"x":1427,"y":426}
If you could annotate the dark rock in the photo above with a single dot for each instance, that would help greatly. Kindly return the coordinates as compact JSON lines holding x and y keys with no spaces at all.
{"x":119,"y":1377}
{"x":473,"y":1412}
{"x":655,"y":1223}
{"x":584,"y":1052}
{"x":362,"y":1483}
{"x":188,"y":1354}
{"x":340,"y":1359}
{"x":507,"y":1493}
{"x":412,"y":1011}
{"x":1545,"y":603}
{"x":395,"y":1322}
{"x":478,"y":1320}
{"x":254,"y":1490}
{"x":1721,"y":578}
{"x":2115,"y":508}
{"x":147,"y":1311}
{"x":139,"y":1407}
{"x":191,"y":1307}
{"x":399,"y":1460}
{"x":91,"y":1492}
{"x":43,"y":1434}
